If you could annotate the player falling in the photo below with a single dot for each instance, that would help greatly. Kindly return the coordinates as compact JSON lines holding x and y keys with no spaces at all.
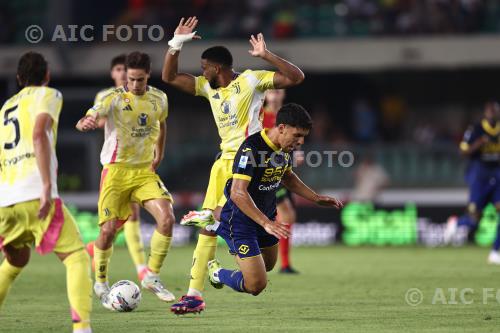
{"x":235,"y":100}
{"x":481,"y":145}
{"x":32,"y":212}
{"x":135,"y":133}
{"x":132,"y":228}
{"x":248,"y":222}
{"x":284,"y":201}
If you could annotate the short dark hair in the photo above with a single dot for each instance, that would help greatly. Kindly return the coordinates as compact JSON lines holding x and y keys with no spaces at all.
{"x":118,"y":60}
{"x":294,"y":115}
{"x":219,"y":55}
{"x":31,"y":69}
{"x":138,"y":60}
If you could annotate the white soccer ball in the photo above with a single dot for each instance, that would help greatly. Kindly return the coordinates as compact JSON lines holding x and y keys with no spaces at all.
{"x":124,"y":296}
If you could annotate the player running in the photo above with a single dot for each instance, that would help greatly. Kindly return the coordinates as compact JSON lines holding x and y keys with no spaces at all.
{"x":132,"y":228}
{"x":284,"y":201}
{"x":481,"y":145}
{"x":248,"y":222}
{"x":135,"y":133}
{"x":235,"y":100}
{"x":30,"y":208}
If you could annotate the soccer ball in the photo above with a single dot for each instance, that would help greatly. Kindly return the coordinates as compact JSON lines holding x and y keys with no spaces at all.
{"x":124,"y":296}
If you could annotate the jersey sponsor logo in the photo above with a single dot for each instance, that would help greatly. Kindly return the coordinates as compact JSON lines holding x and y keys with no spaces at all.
{"x":226,"y":108}
{"x":127,"y":108}
{"x":273,"y":174}
{"x":243,"y":249}
{"x":107,"y":212}
{"x":142,"y":119}
{"x":271,"y":187}
{"x":243,"y":162}
{"x":216,"y":96}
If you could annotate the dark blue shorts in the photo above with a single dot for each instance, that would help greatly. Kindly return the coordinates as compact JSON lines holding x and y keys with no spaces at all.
{"x":243,"y":236}
{"x":484,"y":185}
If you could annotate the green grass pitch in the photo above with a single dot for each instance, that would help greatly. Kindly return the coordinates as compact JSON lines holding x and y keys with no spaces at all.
{"x":340,"y":289}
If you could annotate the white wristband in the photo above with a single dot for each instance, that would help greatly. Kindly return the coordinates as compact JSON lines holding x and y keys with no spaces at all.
{"x":178,"y":40}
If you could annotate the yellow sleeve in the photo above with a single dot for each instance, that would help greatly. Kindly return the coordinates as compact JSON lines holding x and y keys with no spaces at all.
{"x":265,"y":80}
{"x":103,"y":106}
{"x":201,"y":86}
{"x":164,"y":108}
{"x":49,"y":101}
{"x":464,"y":146}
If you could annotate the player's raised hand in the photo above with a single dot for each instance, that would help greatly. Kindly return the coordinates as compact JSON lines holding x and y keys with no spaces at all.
{"x":186,"y":27}
{"x":278,"y":229}
{"x":327,"y":201}
{"x":259,"y":45}
{"x":45,"y":204}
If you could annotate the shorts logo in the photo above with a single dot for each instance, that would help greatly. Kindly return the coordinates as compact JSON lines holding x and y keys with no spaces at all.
{"x":243,"y":249}
{"x":142,"y":119}
{"x":243,"y":162}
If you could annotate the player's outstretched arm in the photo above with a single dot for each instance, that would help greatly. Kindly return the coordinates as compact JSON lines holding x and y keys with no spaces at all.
{"x":293,"y":183}
{"x":169,"y":74}
{"x":288,"y":75}
{"x":242,"y":199}
{"x":42,"y":147}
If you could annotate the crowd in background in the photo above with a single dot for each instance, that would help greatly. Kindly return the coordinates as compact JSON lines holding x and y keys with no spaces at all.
{"x":281,"y":19}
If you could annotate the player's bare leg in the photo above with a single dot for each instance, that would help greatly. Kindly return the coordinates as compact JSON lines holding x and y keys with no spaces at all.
{"x":15,"y":260}
{"x":163,"y":213}
{"x":287,"y":214}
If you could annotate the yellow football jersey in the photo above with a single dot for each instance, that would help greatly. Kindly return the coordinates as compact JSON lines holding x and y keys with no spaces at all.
{"x":132,"y":126}
{"x":100,"y":95}
{"x":236,"y":107}
{"x":20,"y":179}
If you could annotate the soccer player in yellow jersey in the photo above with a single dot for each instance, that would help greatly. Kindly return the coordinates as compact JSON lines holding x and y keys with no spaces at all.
{"x":235,"y":100}
{"x":30,"y":208}
{"x":132,"y":228}
{"x":135,"y":133}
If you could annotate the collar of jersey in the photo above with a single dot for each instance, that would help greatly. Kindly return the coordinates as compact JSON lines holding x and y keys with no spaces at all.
{"x":491,"y":130}
{"x":268,"y":141}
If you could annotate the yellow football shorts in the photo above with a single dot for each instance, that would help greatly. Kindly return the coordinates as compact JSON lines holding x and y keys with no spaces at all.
{"x":121,"y":185}
{"x":21,"y":227}
{"x":222,"y":171}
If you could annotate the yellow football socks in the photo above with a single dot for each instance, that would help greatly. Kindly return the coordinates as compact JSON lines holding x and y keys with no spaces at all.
{"x":79,"y":288}
{"x":8,"y":274}
{"x":101,"y":262}
{"x":204,"y":252}
{"x":160,"y":245}
{"x":135,"y":245}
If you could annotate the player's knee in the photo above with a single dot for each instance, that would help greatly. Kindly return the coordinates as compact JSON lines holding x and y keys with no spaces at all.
{"x":108,"y":231}
{"x":270,"y":266}
{"x":167,"y":221}
{"x":256,"y":287}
